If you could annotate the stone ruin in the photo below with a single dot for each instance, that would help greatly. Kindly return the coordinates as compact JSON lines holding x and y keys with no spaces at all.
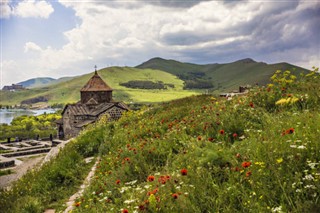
{"x":11,"y":151}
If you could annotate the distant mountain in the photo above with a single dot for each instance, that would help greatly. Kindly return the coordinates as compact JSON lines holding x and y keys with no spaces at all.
{"x":42,"y":81}
{"x":179,"y":79}
{"x":36,"y":82}
{"x":221,"y":76}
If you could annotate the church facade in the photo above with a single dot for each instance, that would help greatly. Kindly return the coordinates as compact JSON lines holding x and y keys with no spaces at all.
{"x":96,"y":101}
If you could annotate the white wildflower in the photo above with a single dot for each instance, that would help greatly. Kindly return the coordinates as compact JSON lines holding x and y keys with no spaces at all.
{"x":131,"y":183}
{"x":277,"y":209}
{"x":310,"y":187}
{"x":312,"y":165}
{"x":301,"y":147}
{"x":123,"y":189}
{"x":308,"y":177}
{"x":129,"y":201}
{"x":147,"y":186}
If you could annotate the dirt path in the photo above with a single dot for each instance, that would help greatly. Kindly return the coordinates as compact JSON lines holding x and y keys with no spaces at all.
{"x":19,"y":171}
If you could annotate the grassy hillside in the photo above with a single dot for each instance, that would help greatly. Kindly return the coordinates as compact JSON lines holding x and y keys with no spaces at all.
{"x":254,"y":153}
{"x":215,"y":77}
{"x":69,"y":91}
{"x":224,"y":77}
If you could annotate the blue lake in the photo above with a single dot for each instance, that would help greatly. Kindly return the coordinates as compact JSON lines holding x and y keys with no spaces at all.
{"x":6,"y":116}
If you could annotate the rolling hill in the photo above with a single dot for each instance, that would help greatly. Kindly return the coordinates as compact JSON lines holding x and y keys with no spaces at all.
{"x":69,"y":91}
{"x":186,"y":79}
{"x":36,"y":82}
{"x":42,"y":81}
{"x":223,"y":77}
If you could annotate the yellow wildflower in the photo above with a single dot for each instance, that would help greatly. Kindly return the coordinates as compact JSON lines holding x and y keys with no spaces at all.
{"x":279,"y":160}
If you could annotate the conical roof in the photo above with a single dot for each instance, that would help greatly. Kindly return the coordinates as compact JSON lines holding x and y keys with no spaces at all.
{"x":96,"y":84}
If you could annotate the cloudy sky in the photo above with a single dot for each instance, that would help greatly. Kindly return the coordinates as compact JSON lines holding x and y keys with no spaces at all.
{"x":67,"y":38}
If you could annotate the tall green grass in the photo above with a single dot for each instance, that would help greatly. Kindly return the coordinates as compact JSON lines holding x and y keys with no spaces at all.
{"x":201,"y":154}
{"x":254,"y":153}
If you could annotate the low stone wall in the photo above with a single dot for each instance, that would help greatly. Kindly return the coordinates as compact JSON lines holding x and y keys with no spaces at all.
{"x":5,"y":164}
{"x":28,"y":152}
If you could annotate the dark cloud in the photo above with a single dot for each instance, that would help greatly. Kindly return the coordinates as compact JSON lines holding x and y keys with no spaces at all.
{"x":140,"y":3}
{"x":173,"y":3}
{"x":282,"y":32}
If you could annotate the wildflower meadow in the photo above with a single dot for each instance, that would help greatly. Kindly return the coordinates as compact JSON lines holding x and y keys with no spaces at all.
{"x":257,"y":152}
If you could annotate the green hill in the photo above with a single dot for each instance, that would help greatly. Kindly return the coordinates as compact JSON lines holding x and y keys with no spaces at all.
{"x":223,"y":77}
{"x":180,"y":80}
{"x":255,"y":153}
{"x":69,"y":91}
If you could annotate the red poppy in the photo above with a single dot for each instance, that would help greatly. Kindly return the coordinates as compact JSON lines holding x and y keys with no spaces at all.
{"x":248,"y":174}
{"x":235,"y":135}
{"x":125,"y":211}
{"x":246,"y":164}
{"x":210,"y":139}
{"x":118,"y":182}
{"x":175,"y":196}
{"x":221,"y":132}
{"x":251,"y":105}
{"x":199,"y":138}
{"x":184,"y":172}
{"x":150,"y":178}
{"x":290,"y":131}
{"x":153,"y":191}
{"x":163,"y":179}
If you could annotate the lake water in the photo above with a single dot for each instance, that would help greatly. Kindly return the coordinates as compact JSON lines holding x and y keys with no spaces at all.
{"x":6,"y":116}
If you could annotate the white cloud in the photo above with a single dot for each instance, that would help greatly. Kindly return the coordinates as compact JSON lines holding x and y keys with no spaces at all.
{"x":123,"y":35}
{"x":30,"y":46}
{"x":32,"y":8}
{"x":118,"y":33}
{"x":5,"y":9}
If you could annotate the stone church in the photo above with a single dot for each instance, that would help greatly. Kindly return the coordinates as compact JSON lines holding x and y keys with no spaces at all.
{"x":96,"y":101}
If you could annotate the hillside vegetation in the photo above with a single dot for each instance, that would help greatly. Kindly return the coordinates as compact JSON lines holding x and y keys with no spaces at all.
{"x":69,"y":91}
{"x":254,"y":153}
{"x":158,"y":80}
{"x":223,"y":77}
{"x":30,"y":127}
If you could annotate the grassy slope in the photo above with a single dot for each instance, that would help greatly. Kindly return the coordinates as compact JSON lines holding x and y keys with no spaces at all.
{"x":69,"y":91}
{"x":176,"y":158}
{"x":265,"y":159}
{"x":224,"y":76}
